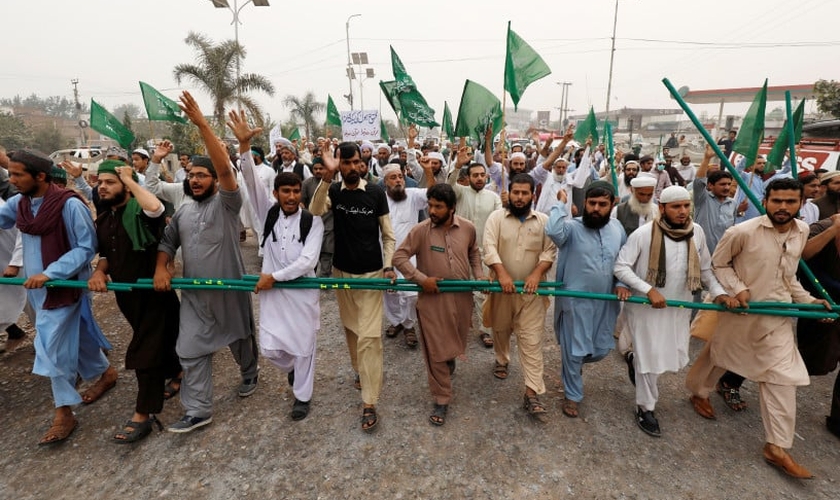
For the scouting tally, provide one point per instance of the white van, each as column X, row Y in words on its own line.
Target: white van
column 88, row 157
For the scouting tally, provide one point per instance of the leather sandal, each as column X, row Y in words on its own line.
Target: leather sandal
column 106, row 382
column 59, row 431
column 535, row 408
column 500, row 371
column 138, row 431
column 438, row 417
column 703, row 407
column 369, row 419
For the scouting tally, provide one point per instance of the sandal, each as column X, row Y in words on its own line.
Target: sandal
column 438, row 417
column 105, row 383
column 410, row 337
column 486, row 340
column 570, row 408
column 300, row 409
column 500, row 371
column 732, row 397
column 138, row 431
column 59, row 431
column 392, row 331
column 173, row 387
column 357, row 383
column 535, row 408
column 369, row 419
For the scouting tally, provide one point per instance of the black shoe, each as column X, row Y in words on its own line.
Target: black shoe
column 451, row 365
column 300, row 409
column 647, row 422
column 631, row 370
column 248, row 387
column 291, row 378
column 833, row 425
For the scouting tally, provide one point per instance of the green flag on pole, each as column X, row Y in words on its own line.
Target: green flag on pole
column 523, row 66
column 107, row 124
column 390, row 91
column 448, row 128
column 413, row 107
column 159, row 107
column 383, row 130
column 295, row 135
column 589, row 127
column 333, row 118
column 777, row 154
column 751, row 132
column 479, row 109
column 610, row 146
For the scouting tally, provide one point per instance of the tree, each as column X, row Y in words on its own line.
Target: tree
column 828, row 97
column 305, row 110
column 48, row 138
column 130, row 109
column 13, row 132
column 215, row 72
column 186, row 139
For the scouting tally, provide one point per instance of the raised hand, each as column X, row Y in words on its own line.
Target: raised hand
column 190, row 108
column 238, row 124
column 162, row 150
column 71, row 168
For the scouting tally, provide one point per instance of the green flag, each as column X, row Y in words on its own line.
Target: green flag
column 390, row 91
column 587, row 128
column 295, row 135
column 413, row 107
column 159, row 107
column 777, row 154
column 333, row 118
column 610, row 146
column 448, row 128
column 107, row 124
column 751, row 132
column 383, row 130
column 523, row 66
column 479, row 108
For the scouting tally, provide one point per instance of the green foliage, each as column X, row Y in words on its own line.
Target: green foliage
column 48, row 139
column 57, row 106
column 185, row 137
column 304, row 110
column 215, row 73
column 828, row 97
column 13, row 132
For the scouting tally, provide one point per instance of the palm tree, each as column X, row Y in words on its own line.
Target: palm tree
column 215, row 72
column 305, row 110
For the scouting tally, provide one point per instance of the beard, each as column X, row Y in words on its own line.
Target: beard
column 520, row 211
column 352, row 177
column 558, row 178
column 118, row 199
column 203, row 196
column 382, row 162
column 437, row 221
column 832, row 195
column 647, row 210
column 628, row 178
column 594, row 221
column 674, row 225
column 396, row 193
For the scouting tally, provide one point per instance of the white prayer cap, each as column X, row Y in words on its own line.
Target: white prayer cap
column 673, row 193
column 643, row 181
column 825, row 176
column 284, row 143
column 519, row 155
column 390, row 168
column 366, row 145
column 634, row 162
column 142, row 152
column 434, row 155
column 383, row 146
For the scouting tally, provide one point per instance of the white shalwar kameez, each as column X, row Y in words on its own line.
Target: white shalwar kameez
column 660, row 336
column 401, row 307
column 12, row 297
column 289, row 318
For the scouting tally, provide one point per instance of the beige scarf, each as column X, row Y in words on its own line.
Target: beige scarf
column 656, row 263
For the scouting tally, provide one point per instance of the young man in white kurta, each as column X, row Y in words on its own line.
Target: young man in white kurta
column 660, row 336
column 289, row 318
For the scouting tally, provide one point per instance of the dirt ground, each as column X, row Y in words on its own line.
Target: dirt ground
column 489, row 447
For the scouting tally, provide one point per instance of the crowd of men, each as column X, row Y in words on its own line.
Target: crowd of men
column 501, row 214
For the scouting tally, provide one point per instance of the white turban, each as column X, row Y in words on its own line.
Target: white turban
column 390, row 168
column 434, row 155
column 366, row 145
column 383, row 145
column 645, row 181
column 519, row 155
column 674, row 193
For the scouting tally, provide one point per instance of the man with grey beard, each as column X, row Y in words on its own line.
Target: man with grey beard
column 639, row 207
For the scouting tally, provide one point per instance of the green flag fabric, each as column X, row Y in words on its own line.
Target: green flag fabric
column 777, row 154
column 107, row 124
column 448, row 127
column 587, row 128
column 295, row 135
column 610, row 146
column 479, row 108
column 390, row 91
column 159, row 107
column 413, row 106
column 751, row 132
column 333, row 118
column 383, row 130
column 523, row 66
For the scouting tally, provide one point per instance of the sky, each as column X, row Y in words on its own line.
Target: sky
column 302, row 46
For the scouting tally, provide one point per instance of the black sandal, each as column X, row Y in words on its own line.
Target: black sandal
column 732, row 397
column 300, row 409
column 369, row 419
column 139, row 430
column 438, row 417
column 170, row 391
column 535, row 408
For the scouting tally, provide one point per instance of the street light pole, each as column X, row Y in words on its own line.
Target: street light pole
column 235, row 10
column 612, row 57
column 349, row 63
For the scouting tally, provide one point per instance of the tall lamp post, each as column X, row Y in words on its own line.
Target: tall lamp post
column 612, row 56
column 360, row 59
column 350, row 73
column 223, row 4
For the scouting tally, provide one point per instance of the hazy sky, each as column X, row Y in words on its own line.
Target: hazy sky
column 111, row 44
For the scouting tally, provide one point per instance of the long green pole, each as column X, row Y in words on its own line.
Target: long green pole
column 790, row 129
column 747, row 191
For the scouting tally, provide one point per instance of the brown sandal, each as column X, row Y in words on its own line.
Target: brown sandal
column 486, row 340
column 535, row 408
column 369, row 419
column 105, row 383
column 60, row 430
column 500, row 371
column 410, row 337
column 570, row 408
column 732, row 397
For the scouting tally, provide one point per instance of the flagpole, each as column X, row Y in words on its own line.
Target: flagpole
column 791, row 139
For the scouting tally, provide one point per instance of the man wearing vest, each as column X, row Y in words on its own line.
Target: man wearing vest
column 285, row 160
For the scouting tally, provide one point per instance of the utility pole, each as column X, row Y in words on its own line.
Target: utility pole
column 82, row 135
column 612, row 57
column 564, row 103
